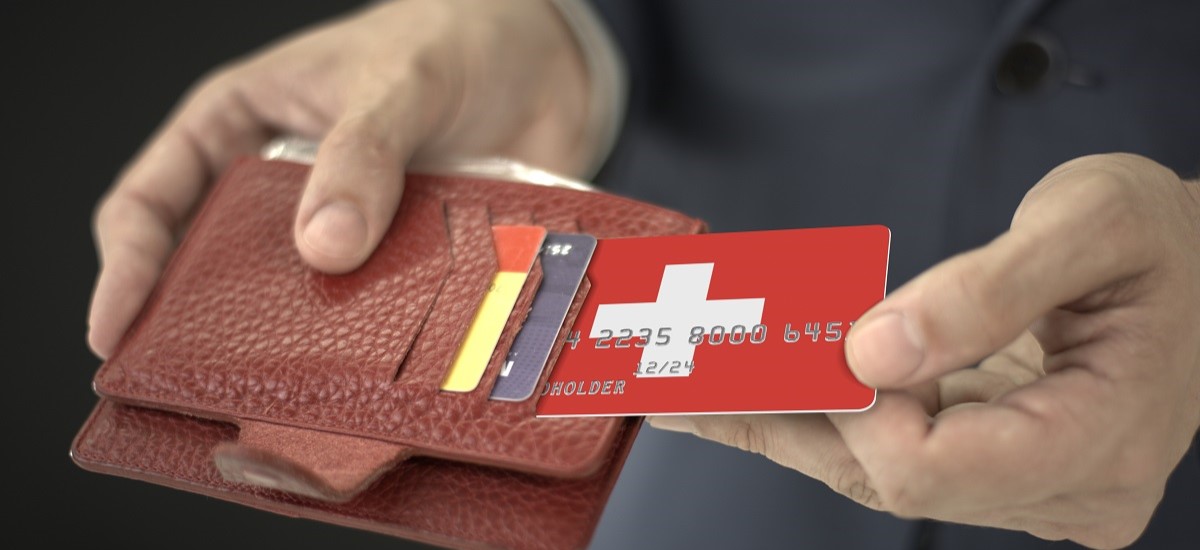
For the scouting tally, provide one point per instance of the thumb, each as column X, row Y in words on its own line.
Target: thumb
column 1072, row 239
column 357, row 180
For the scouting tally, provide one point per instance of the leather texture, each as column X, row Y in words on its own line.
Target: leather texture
column 516, row 319
column 312, row 463
column 441, row 502
column 464, row 290
column 334, row 380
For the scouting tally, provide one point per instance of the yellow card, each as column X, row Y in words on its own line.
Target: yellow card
column 516, row 248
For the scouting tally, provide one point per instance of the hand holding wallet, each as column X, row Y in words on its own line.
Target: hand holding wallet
column 251, row 377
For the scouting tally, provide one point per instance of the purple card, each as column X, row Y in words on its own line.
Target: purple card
column 565, row 258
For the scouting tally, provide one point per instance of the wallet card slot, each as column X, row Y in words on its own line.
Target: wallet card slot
column 516, row 319
column 557, row 222
column 475, row 265
column 502, row 215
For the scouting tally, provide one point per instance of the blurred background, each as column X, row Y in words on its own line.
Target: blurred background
column 86, row 83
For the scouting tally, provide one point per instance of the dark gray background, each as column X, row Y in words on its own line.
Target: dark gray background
column 85, row 84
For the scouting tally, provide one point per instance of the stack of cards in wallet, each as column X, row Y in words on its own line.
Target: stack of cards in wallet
column 749, row 322
column 564, row 259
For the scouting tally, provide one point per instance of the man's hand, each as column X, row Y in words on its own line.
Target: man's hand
column 1086, row 316
column 402, row 80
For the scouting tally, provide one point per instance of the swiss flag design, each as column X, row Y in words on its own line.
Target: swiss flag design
column 720, row 323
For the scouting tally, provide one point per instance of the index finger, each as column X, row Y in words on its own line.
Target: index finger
column 970, row 460
column 1078, row 233
column 137, row 222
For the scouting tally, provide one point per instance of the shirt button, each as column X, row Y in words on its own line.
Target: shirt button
column 1035, row 62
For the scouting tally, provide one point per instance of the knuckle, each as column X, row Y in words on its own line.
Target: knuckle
column 1110, row 201
column 351, row 133
column 424, row 62
column 911, row 489
column 129, row 224
column 1109, row 163
column 137, row 266
column 1132, row 235
column 217, row 82
column 901, row 498
column 433, row 73
column 1112, row 209
column 1108, row 194
column 104, row 214
column 120, row 207
column 1114, row 534
column 746, row 435
column 747, row 438
column 901, row 504
column 417, row 48
column 361, row 136
column 208, row 112
column 849, row 479
column 976, row 286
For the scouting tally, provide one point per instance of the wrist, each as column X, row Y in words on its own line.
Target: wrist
column 607, row 81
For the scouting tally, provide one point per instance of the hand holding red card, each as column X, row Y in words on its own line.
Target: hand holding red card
column 252, row 378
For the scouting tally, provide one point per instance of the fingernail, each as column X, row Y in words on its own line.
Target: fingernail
column 673, row 423
column 337, row 230
column 886, row 350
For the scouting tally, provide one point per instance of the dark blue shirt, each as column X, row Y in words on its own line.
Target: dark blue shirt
column 931, row 117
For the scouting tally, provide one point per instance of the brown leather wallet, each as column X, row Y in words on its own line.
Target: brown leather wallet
column 250, row 377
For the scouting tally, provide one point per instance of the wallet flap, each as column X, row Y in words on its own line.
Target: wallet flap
column 435, row 501
column 320, row 465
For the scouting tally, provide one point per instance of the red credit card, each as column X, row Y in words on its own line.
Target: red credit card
column 748, row 322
